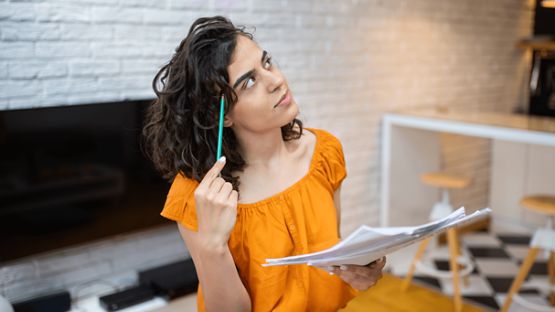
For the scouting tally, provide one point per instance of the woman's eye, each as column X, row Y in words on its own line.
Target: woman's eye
column 269, row 62
column 247, row 85
column 268, row 65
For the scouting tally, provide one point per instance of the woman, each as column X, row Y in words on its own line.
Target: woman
column 276, row 191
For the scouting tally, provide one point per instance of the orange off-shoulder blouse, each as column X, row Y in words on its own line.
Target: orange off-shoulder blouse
column 300, row 219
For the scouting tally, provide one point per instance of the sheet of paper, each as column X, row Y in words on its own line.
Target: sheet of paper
column 367, row 244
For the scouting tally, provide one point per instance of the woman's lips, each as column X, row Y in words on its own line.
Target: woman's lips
column 285, row 100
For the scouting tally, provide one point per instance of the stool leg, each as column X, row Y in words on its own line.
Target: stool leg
column 412, row 268
column 551, row 270
column 459, row 252
column 524, row 269
column 452, row 242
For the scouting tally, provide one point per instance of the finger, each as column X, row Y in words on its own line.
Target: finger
column 213, row 173
column 380, row 264
column 364, row 272
column 377, row 263
column 356, row 269
column 215, row 187
column 328, row 268
column 346, row 275
column 332, row 269
column 223, row 194
column 358, row 281
column 234, row 196
column 343, row 270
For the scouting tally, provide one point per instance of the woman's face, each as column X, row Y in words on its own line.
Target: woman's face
column 260, row 86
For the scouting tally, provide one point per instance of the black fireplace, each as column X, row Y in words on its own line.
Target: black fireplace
column 73, row 174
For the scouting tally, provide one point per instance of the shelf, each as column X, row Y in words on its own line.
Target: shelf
column 539, row 43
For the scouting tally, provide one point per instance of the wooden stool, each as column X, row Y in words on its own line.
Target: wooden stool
column 544, row 239
column 444, row 181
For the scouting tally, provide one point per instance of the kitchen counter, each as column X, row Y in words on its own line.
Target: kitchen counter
column 411, row 146
column 493, row 125
column 493, row 119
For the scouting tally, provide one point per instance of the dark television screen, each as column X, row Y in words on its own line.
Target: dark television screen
column 73, row 174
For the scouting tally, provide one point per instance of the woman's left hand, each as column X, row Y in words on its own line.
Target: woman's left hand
column 360, row 277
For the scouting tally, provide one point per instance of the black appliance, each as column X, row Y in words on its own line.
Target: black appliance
column 72, row 174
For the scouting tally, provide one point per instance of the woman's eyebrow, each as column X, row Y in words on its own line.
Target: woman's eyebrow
column 249, row 73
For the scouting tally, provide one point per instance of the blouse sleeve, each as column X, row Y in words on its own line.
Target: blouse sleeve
column 180, row 202
column 334, row 160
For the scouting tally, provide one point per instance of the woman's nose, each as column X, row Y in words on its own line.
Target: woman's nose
column 274, row 80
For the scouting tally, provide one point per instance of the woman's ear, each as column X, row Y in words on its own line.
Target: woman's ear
column 227, row 121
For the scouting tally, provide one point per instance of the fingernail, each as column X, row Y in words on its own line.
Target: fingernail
column 222, row 159
column 343, row 267
column 331, row 273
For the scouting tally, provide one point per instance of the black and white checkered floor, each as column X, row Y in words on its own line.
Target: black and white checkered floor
column 497, row 258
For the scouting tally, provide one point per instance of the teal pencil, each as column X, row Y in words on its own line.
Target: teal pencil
column 220, row 129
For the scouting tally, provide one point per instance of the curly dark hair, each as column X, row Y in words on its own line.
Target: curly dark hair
column 181, row 126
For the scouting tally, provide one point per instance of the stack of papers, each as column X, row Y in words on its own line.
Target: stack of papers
column 367, row 244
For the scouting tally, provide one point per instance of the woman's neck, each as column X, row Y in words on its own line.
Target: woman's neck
column 265, row 150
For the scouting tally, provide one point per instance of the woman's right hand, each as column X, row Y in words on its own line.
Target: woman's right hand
column 216, row 207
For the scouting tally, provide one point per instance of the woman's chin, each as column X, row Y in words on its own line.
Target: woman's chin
column 292, row 110
column 292, row 114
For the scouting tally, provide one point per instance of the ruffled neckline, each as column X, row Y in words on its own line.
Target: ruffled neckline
column 295, row 185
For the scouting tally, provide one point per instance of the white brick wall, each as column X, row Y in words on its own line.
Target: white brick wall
column 347, row 63
column 111, row 262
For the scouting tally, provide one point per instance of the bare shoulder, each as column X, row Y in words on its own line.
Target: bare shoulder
column 304, row 146
column 310, row 138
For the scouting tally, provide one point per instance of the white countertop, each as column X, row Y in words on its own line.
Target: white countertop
column 495, row 125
